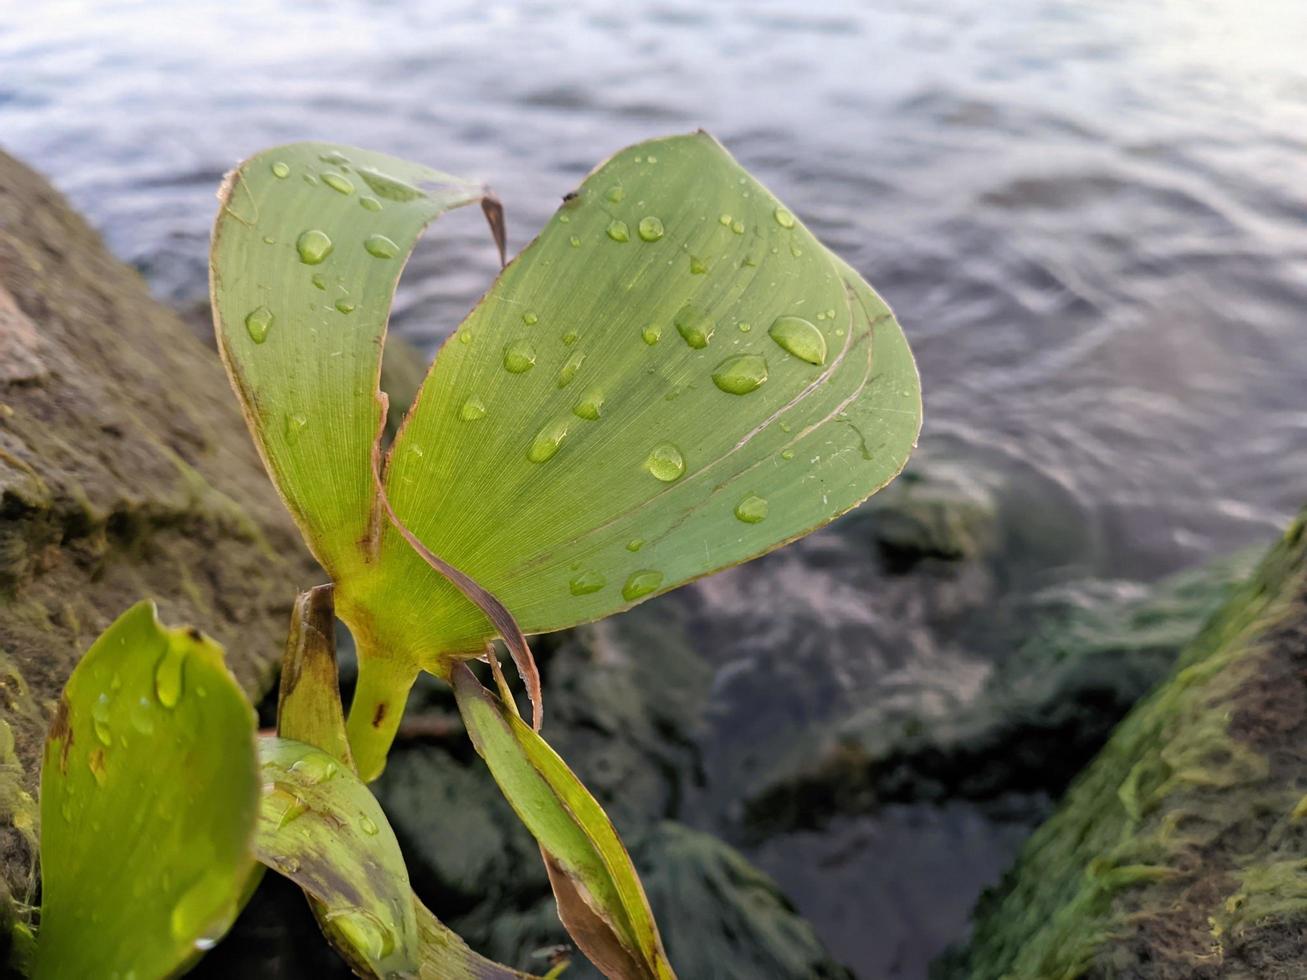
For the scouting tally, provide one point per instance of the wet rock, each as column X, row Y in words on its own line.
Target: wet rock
column 125, row 472
column 1179, row 851
column 1090, row 650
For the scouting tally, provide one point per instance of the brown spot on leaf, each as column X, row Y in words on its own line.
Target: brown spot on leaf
column 61, row 730
column 379, row 715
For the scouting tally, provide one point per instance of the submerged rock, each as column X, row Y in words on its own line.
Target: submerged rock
column 126, row 472
column 1179, row 851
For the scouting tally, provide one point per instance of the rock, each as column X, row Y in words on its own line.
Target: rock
column 1091, row 649
column 126, row 472
column 1179, row 851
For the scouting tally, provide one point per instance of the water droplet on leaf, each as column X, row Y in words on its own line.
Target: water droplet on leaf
column 665, row 462
column 313, row 246
column 618, row 231
column 472, row 409
column 783, row 218
column 547, row 442
column 391, row 188
column 697, row 266
column 280, row 170
column 381, row 247
column 568, row 371
column 168, row 681
column 369, row 203
column 799, row 337
column 651, row 334
column 336, row 182
column 344, row 306
column 587, row 583
column 519, row 357
column 740, row 374
column 641, row 583
column 530, row 318
column 651, row 228
column 752, row 509
column 590, row 406
column 695, row 326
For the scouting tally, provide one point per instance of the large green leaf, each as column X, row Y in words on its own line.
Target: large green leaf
column 149, row 791
column 600, row 898
column 621, row 415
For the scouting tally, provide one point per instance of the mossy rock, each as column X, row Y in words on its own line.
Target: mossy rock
column 1180, row 851
column 126, row 472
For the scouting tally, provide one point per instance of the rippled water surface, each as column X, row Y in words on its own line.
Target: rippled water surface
column 1090, row 217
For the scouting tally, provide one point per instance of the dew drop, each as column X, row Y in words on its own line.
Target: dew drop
column 319, row 280
column 576, row 242
column 799, row 337
column 142, row 716
column 368, row 826
column 783, row 218
column 737, row 226
column 697, row 266
column 369, row 203
column 168, row 683
column 96, row 763
column 787, row 454
column 651, row 228
column 342, row 185
column 641, row 583
column 695, row 326
column 334, row 157
column 587, row 583
column 391, row 188
column 281, row 170
column 568, row 371
column 311, row 180
column 295, row 424
column 740, row 374
column 752, row 509
column 381, row 247
column 257, row 324
column 530, row 318
column 547, row 442
column 519, row 357
column 203, row 912
column 315, row 768
column 344, row 306
column 615, row 194
column 651, row 334
column 618, row 231
column 724, row 220
column 570, row 338
column 364, row 931
column 282, row 805
column 100, row 718
column 591, row 405
column 745, row 327
column 472, row 409
column 313, row 246
column 665, row 462
column 635, row 544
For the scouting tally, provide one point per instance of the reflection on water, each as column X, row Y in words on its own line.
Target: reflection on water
column 1091, row 218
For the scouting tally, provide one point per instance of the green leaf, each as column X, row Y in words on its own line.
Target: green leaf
column 600, row 898
column 572, row 467
column 309, row 711
column 322, row 828
column 307, row 249
column 149, row 792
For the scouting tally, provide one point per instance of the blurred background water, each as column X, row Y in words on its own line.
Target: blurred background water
column 1091, row 219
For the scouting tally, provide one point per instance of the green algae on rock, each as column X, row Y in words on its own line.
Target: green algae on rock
column 1179, row 851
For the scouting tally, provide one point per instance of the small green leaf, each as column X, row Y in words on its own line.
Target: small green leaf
column 600, row 898
column 308, row 701
column 322, row 828
column 149, row 792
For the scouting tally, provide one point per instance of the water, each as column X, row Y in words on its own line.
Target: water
column 1091, row 218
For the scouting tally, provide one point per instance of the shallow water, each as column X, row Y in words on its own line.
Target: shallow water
column 1091, row 219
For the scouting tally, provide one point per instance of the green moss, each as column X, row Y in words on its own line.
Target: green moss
column 1176, row 852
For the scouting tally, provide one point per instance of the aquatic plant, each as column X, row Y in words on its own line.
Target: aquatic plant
column 673, row 378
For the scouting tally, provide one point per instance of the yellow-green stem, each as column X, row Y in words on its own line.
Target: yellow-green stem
column 376, row 710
